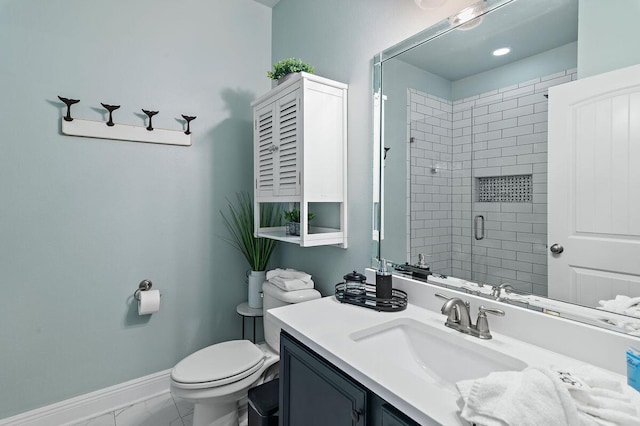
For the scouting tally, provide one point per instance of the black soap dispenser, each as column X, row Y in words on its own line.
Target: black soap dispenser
column 383, row 281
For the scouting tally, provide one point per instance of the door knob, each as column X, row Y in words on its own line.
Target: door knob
column 355, row 415
column 556, row 249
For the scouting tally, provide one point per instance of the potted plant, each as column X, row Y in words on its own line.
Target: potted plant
column 257, row 251
column 283, row 68
column 293, row 221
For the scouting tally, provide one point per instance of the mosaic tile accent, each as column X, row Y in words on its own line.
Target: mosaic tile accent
column 505, row 189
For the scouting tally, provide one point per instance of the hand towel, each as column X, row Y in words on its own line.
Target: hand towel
column 622, row 304
column 602, row 397
column 534, row 396
column 290, row 279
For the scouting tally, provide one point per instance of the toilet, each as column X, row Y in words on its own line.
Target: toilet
column 215, row 378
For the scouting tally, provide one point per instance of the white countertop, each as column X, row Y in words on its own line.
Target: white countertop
column 325, row 326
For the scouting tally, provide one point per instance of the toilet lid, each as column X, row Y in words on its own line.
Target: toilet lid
column 217, row 362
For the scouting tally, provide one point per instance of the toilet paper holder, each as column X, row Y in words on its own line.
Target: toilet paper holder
column 143, row 286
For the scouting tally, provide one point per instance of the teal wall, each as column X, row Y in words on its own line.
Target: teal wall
column 545, row 63
column 608, row 34
column 83, row 221
column 340, row 39
column 397, row 77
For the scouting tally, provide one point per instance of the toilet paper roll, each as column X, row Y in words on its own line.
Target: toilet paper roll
column 149, row 302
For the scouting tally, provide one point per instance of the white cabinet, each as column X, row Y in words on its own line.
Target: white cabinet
column 300, row 157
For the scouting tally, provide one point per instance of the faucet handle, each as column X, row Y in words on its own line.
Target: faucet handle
column 496, row 291
column 482, row 310
column 482, row 324
column 442, row 296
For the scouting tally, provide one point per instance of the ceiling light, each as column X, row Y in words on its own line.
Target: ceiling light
column 429, row 4
column 464, row 19
column 501, row 51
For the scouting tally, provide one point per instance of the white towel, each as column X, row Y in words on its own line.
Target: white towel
column 622, row 304
column 602, row 398
column 290, row 279
column 531, row 397
column 540, row 396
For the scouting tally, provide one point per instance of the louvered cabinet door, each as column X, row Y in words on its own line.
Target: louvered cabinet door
column 265, row 150
column 288, row 141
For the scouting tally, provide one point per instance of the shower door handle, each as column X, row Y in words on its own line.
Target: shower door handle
column 476, row 228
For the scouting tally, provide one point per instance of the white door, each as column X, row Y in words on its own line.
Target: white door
column 594, row 187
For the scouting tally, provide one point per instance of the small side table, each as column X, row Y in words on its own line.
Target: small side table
column 245, row 311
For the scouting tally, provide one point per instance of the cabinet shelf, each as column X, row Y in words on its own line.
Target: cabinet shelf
column 317, row 236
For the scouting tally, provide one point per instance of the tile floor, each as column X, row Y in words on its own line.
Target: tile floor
column 162, row 410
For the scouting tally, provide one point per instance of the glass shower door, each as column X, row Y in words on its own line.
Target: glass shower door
column 508, row 192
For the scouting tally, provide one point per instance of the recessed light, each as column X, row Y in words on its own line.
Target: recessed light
column 501, row 51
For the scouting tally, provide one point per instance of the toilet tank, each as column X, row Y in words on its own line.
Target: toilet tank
column 273, row 297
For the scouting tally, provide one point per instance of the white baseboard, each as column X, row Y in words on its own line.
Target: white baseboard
column 94, row 403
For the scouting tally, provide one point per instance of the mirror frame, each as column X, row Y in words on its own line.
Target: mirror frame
column 564, row 309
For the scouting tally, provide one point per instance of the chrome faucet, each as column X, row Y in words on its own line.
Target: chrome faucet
column 496, row 291
column 458, row 318
column 457, row 312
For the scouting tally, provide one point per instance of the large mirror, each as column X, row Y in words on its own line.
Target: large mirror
column 461, row 137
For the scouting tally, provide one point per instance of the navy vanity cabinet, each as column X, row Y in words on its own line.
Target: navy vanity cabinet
column 313, row 392
column 393, row 417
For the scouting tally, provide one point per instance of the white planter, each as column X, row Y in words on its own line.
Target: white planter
column 276, row 83
column 255, row 280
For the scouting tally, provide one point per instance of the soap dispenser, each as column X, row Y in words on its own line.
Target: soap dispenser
column 383, row 281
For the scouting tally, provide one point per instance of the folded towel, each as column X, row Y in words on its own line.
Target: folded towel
column 531, row 397
column 622, row 305
column 288, row 274
column 601, row 397
column 540, row 396
column 290, row 279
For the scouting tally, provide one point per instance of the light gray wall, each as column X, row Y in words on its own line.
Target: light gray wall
column 340, row 39
column 608, row 33
column 397, row 77
column 545, row 63
column 83, row 221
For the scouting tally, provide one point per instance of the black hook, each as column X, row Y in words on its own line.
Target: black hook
column 189, row 119
column 68, row 102
column 110, row 108
column 386, row 149
column 150, row 114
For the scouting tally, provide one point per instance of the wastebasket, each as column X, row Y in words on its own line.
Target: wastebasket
column 264, row 404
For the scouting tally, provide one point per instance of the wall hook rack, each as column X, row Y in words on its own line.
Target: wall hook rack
column 189, row 119
column 68, row 102
column 110, row 108
column 124, row 132
column 150, row 114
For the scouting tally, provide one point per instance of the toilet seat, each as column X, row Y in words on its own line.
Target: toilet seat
column 218, row 365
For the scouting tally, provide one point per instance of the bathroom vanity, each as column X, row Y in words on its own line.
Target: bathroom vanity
column 344, row 364
column 316, row 392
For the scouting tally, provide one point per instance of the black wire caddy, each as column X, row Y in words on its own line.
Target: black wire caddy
column 365, row 295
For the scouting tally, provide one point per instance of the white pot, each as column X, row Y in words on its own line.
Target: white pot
column 255, row 280
column 276, row 83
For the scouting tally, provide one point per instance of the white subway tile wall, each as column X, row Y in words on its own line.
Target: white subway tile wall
column 498, row 133
column 429, row 173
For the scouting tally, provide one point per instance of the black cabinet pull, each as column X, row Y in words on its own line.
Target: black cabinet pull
column 355, row 415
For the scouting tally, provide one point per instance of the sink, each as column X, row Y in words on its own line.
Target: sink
column 438, row 355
